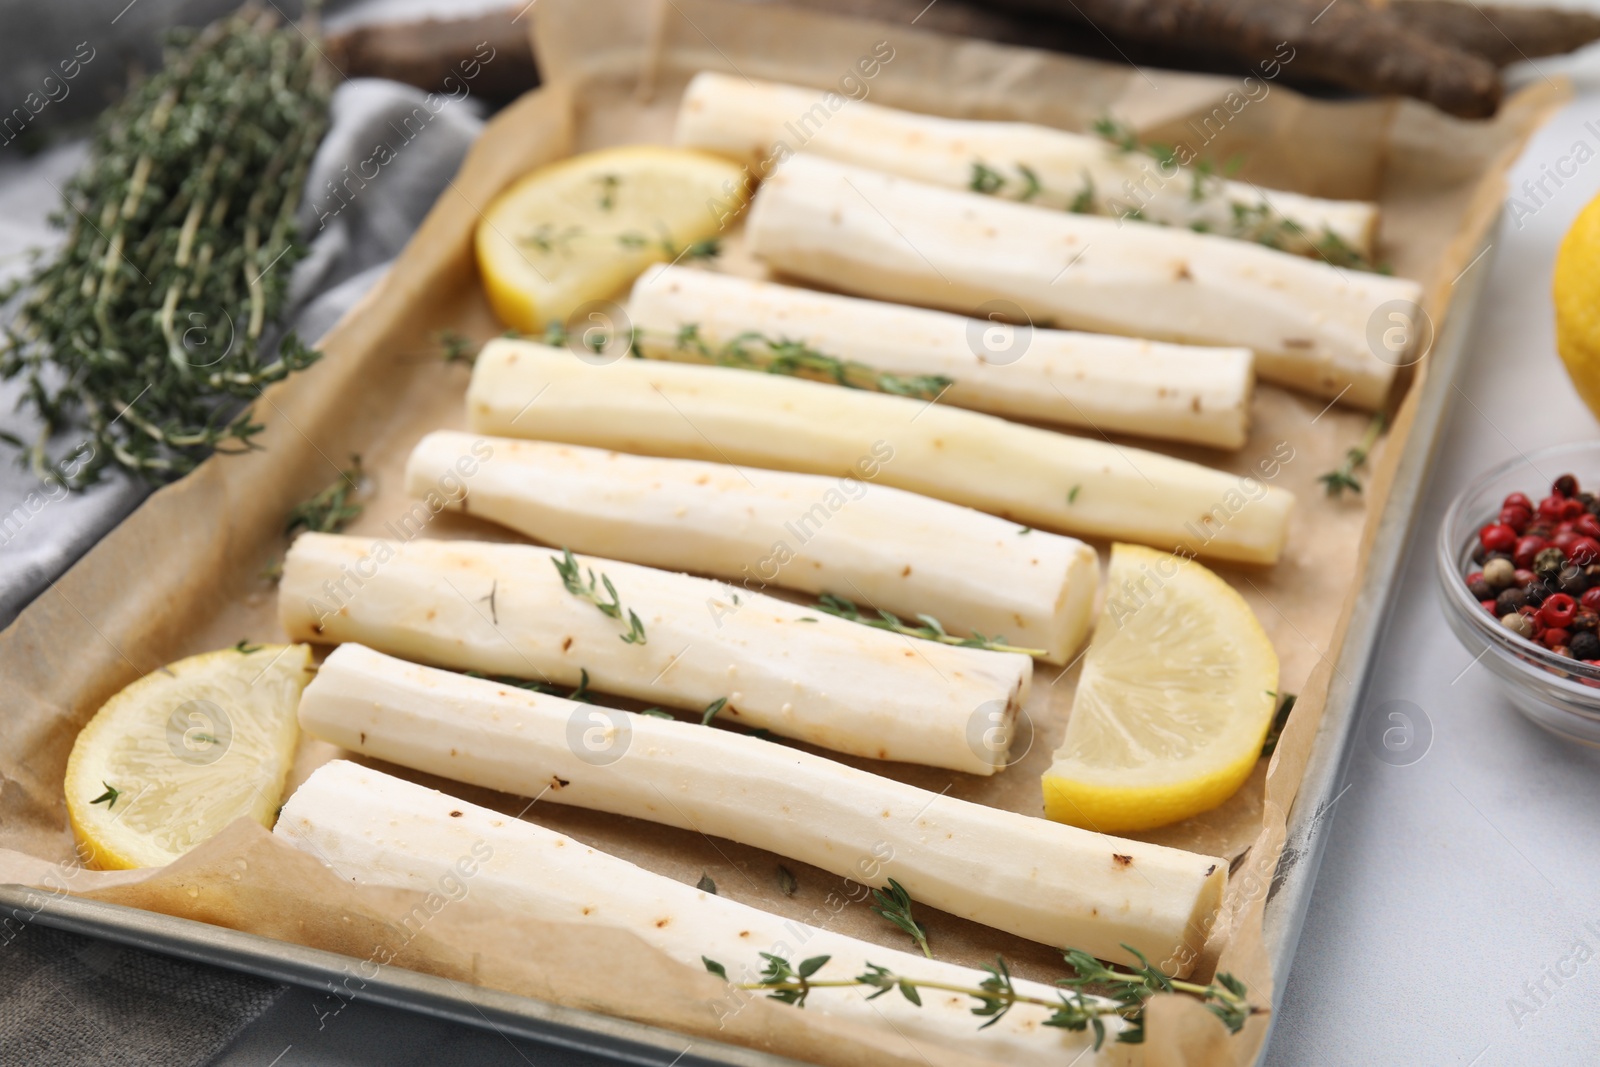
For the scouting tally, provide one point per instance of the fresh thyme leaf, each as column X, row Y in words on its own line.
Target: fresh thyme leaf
column 245, row 647
column 148, row 333
column 109, row 797
column 1031, row 186
column 706, row 885
column 580, row 694
column 458, row 347
column 1025, row 530
column 1083, row 202
column 330, row 510
column 714, row 967
column 1336, row 481
column 608, row 190
column 985, row 179
column 894, row 904
column 788, row 885
column 657, row 713
column 930, row 630
column 572, row 579
column 712, row 709
column 806, row 618
column 753, row 350
column 1072, row 494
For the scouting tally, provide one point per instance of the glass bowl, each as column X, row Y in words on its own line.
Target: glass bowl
column 1560, row 694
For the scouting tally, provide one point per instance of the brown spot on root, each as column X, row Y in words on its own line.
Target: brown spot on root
column 907, row 572
column 452, row 752
column 661, row 923
column 557, row 783
column 1195, row 405
column 432, row 614
column 566, row 644
column 316, row 628
column 363, row 737
column 1211, row 870
column 587, row 909
column 1298, row 342
column 455, row 814
column 1182, row 273
column 883, row 753
column 1121, row 860
column 744, row 933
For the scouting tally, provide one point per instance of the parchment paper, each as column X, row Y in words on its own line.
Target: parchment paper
column 184, row 573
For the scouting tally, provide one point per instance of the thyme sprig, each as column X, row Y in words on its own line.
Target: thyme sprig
column 930, row 630
column 894, row 904
column 1343, row 477
column 571, row 577
column 1125, row 992
column 332, row 508
column 754, row 350
column 109, row 797
column 580, row 694
column 1247, row 222
column 149, row 331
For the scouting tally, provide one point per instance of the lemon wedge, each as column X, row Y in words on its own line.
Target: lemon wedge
column 1177, row 692
column 1576, row 286
column 584, row 228
column 184, row 751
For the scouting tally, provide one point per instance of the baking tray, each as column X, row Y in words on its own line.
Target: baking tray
column 623, row 1041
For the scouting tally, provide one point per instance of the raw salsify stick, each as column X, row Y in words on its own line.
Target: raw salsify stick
column 747, row 121
column 375, row 829
column 1312, row 326
column 871, row 544
column 1090, row 381
column 800, row 673
column 1042, row 880
column 1034, row 477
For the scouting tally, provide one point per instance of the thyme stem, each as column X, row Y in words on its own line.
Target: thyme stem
column 930, row 630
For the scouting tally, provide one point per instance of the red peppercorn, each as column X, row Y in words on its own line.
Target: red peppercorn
column 1588, row 526
column 1591, row 599
column 1558, row 610
column 1517, row 500
column 1526, row 550
column 1566, row 486
column 1516, row 518
column 1498, row 537
column 1522, row 576
column 1572, row 509
column 1488, row 605
column 1550, row 509
column 1584, row 551
column 1564, row 539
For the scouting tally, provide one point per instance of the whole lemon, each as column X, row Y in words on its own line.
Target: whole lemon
column 1577, row 300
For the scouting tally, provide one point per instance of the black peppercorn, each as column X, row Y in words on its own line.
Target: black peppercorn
column 1510, row 601
column 1584, row 621
column 1584, row 645
column 1535, row 593
column 1572, row 581
column 1480, row 590
column 1549, row 561
column 1566, row 485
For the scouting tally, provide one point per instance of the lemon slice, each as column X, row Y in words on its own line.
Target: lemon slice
column 583, row 228
column 1177, row 692
column 184, row 751
column 1576, row 285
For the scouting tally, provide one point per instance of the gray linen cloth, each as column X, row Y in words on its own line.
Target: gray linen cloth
column 70, row 1000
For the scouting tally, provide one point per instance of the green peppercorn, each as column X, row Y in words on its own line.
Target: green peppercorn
column 1549, row 561
column 1498, row 574
column 1517, row 623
